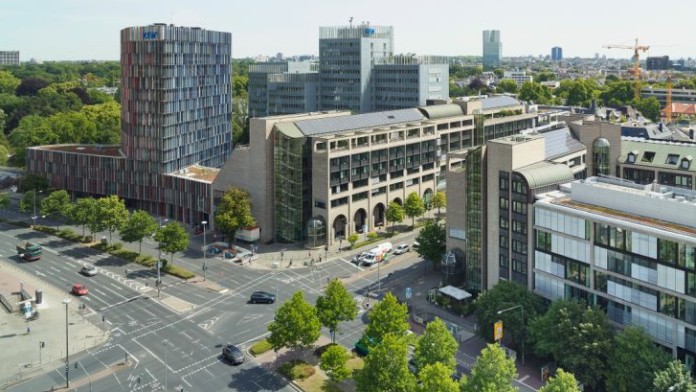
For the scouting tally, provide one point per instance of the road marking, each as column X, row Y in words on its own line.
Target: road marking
column 351, row 263
column 523, row 379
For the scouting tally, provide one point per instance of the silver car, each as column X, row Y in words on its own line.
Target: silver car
column 403, row 248
column 88, row 270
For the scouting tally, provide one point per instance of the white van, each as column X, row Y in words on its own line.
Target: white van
column 373, row 256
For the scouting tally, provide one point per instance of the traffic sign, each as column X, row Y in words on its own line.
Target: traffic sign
column 498, row 331
column 408, row 293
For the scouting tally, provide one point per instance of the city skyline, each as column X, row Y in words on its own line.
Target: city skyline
column 82, row 30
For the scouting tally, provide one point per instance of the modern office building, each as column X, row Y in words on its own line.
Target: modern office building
column 520, row 77
column 346, row 58
column 319, row 177
column 556, row 53
column 492, row 49
column 628, row 248
column 357, row 71
column 283, row 88
column 680, row 95
column 661, row 63
column 9, row 57
column 176, row 109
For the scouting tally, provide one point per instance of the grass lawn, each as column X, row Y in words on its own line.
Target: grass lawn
column 319, row 382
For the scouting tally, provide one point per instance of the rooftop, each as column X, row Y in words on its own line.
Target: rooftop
column 321, row 126
column 196, row 172
column 86, row 149
column 658, row 153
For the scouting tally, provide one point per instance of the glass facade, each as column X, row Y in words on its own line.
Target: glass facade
column 474, row 219
column 290, row 189
column 600, row 156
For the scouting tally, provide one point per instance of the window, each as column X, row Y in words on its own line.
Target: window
column 504, row 203
column 519, row 187
column 504, row 223
column 504, row 261
column 631, row 158
column 648, row 156
column 543, row 241
column 504, row 241
column 519, row 247
column 685, row 163
column 519, row 227
column 504, row 179
column 672, row 159
column 519, row 207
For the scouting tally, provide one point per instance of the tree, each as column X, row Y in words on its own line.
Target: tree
column 578, row 337
column 3, row 152
column 84, row 212
column 33, row 182
column 113, row 213
column 618, row 93
column 386, row 367
column 387, row 317
column 675, row 378
column 335, row 306
column 106, row 118
column 57, row 203
column 139, row 225
column 648, row 107
column 295, row 325
column 431, row 240
column 352, row 239
column 507, row 86
column 395, row 213
column 562, row 382
column 30, row 86
column 532, row 91
column 493, row 371
column 499, row 73
column 633, row 360
column 333, row 362
column 30, row 199
column 502, row 296
column 4, row 200
column 437, row 345
column 414, row 207
column 234, row 212
column 8, row 83
column 436, row 378
column 172, row 238
column 439, row 201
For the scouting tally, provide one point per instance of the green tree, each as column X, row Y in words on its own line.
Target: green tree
column 29, row 201
column 33, row 182
column 633, row 360
column 562, row 382
column 32, row 130
column 139, row 225
column 578, row 337
column 387, row 317
column 4, row 200
column 352, row 239
column 505, row 295
column 499, row 73
column 580, row 93
column 3, row 154
column 56, row 204
column 395, row 213
column 172, row 238
column 493, row 371
column 648, row 107
column 84, row 212
column 386, row 367
column 507, row 86
column 437, row 345
column 439, row 201
column 113, row 212
column 106, row 119
column 675, row 378
column 431, row 240
column 234, row 212
column 335, row 306
column 295, row 325
column 532, row 91
column 414, row 207
column 8, row 82
column 436, row 377
column 618, row 93
column 333, row 362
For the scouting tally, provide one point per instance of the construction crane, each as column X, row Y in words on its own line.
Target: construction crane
column 636, row 67
column 668, row 101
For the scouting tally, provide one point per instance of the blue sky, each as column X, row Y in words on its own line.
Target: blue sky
column 89, row 29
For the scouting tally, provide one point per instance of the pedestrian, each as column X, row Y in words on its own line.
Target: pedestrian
column 28, row 329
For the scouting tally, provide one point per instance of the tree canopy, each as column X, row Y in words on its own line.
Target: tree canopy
column 139, row 225
column 234, row 212
column 388, row 316
column 295, row 325
column 335, row 306
column 113, row 213
column 414, row 206
column 633, row 360
column 436, row 377
column 172, row 238
column 333, row 362
column 56, row 204
column 561, row 382
column 493, row 371
column 386, row 367
column 436, row 345
column 439, row 201
column 674, row 378
column 395, row 213
column 431, row 240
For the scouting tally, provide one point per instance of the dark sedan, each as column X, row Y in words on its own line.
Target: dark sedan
column 232, row 354
column 262, row 297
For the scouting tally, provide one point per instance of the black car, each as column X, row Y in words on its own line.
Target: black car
column 262, row 297
column 233, row 354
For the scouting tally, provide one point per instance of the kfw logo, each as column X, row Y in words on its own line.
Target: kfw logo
column 149, row 35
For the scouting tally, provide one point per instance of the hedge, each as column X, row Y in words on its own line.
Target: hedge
column 297, row 369
column 260, row 347
column 178, row 271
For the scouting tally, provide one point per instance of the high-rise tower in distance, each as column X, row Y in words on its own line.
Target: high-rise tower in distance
column 492, row 49
column 556, row 53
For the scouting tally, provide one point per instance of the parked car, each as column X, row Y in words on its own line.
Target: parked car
column 357, row 259
column 262, row 297
column 403, row 248
column 415, row 245
column 88, row 270
column 79, row 289
column 232, row 354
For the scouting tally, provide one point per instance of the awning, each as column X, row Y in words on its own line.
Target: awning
column 455, row 293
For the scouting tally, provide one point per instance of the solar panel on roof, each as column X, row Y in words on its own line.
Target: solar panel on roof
column 367, row 120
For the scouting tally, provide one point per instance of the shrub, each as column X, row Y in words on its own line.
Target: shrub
column 260, row 347
column 117, row 246
column 178, row 271
column 297, row 369
column 372, row 235
column 146, row 260
column 322, row 349
column 88, row 239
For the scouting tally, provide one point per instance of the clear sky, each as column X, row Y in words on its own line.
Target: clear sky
column 89, row 29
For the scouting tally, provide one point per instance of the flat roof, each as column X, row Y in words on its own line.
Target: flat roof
column 86, row 149
column 197, row 172
column 323, row 126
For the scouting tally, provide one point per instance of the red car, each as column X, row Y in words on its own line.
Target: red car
column 79, row 289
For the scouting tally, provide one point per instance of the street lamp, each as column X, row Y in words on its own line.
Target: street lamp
column 204, row 244
column 34, row 217
column 67, row 346
column 521, row 309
